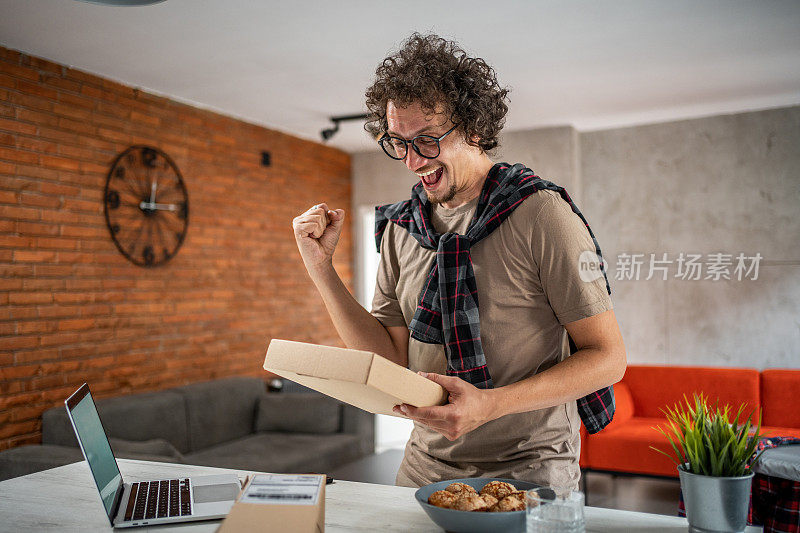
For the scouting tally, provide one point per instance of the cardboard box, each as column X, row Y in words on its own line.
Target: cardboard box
column 273, row 503
column 363, row 379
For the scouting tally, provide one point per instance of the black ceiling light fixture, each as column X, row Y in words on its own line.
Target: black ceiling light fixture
column 330, row 132
column 123, row 2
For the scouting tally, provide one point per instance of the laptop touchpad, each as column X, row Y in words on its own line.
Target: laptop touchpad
column 215, row 493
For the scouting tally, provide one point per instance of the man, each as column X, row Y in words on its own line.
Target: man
column 498, row 248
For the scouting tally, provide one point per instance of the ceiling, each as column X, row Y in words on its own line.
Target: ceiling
column 290, row 65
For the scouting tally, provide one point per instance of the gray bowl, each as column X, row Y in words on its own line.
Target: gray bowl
column 471, row 522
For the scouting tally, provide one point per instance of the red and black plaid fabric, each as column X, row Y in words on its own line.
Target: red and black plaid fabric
column 774, row 501
column 447, row 309
column 776, row 504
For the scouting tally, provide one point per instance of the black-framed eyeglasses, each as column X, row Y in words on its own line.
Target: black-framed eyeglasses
column 426, row 146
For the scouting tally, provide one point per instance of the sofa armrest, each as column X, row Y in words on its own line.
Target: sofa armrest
column 25, row 460
column 623, row 399
column 358, row 422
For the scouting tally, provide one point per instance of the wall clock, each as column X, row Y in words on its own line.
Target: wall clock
column 146, row 206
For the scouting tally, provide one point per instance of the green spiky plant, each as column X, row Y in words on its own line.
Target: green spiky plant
column 707, row 441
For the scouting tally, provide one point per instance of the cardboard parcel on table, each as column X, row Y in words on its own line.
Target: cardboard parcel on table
column 363, row 379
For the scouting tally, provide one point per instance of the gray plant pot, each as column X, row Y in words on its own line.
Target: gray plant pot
column 715, row 504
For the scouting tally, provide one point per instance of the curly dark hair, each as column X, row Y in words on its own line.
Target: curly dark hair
column 431, row 70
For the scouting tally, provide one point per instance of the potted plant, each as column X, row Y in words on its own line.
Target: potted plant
column 713, row 453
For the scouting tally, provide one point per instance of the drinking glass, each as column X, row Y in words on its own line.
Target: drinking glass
column 551, row 510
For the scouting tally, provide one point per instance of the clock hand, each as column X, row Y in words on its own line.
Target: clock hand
column 160, row 207
column 153, row 186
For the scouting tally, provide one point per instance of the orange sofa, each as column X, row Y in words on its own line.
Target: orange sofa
column 624, row 445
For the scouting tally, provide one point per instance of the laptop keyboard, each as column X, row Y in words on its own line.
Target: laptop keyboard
column 159, row 499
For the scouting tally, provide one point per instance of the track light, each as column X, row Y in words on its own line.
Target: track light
column 330, row 132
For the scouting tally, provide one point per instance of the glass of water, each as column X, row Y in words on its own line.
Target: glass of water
column 554, row 511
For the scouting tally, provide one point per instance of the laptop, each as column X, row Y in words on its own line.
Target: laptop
column 144, row 503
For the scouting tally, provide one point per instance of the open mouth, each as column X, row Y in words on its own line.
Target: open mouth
column 430, row 180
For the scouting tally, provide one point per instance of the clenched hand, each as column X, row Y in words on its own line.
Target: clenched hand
column 317, row 232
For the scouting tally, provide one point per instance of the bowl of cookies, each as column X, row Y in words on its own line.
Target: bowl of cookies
column 473, row 505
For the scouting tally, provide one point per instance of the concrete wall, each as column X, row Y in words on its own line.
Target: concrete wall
column 724, row 184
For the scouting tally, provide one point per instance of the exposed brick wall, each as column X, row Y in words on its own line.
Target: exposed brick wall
column 73, row 309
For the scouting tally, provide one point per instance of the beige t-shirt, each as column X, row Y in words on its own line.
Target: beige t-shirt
column 528, row 287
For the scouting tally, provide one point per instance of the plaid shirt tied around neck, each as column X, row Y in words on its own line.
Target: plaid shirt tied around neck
column 447, row 308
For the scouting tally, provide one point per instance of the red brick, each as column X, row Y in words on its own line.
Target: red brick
column 15, row 241
column 58, row 189
column 36, row 89
column 26, row 413
column 61, row 83
column 69, row 110
column 53, row 270
column 8, row 197
column 41, row 284
column 27, row 298
column 7, row 81
column 61, row 163
column 58, row 135
column 44, row 65
column 76, row 152
column 33, row 228
column 34, row 256
column 19, row 428
column 19, row 213
column 37, row 200
column 83, row 231
column 10, row 284
column 75, row 100
column 79, row 125
column 109, row 134
column 18, row 342
column 7, row 168
column 30, row 101
column 19, row 156
column 58, row 339
column 18, row 71
column 36, row 145
column 28, row 327
column 59, row 243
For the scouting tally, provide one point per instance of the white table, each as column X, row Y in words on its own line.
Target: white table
column 65, row 499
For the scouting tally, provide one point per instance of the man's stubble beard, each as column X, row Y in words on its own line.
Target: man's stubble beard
column 449, row 195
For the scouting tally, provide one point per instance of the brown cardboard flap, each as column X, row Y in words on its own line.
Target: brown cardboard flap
column 318, row 361
column 363, row 379
column 404, row 385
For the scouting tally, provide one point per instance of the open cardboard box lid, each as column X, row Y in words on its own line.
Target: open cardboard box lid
column 363, row 379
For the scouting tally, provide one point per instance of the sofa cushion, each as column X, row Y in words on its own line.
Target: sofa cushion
column 281, row 452
column 656, row 387
column 154, row 449
column 778, row 431
column 299, row 413
column 626, row 448
column 779, row 397
column 135, row 417
column 221, row 410
column 25, row 460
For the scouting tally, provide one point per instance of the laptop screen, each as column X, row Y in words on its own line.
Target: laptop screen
column 95, row 446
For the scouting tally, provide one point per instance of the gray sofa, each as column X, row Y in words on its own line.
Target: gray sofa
column 231, row 422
